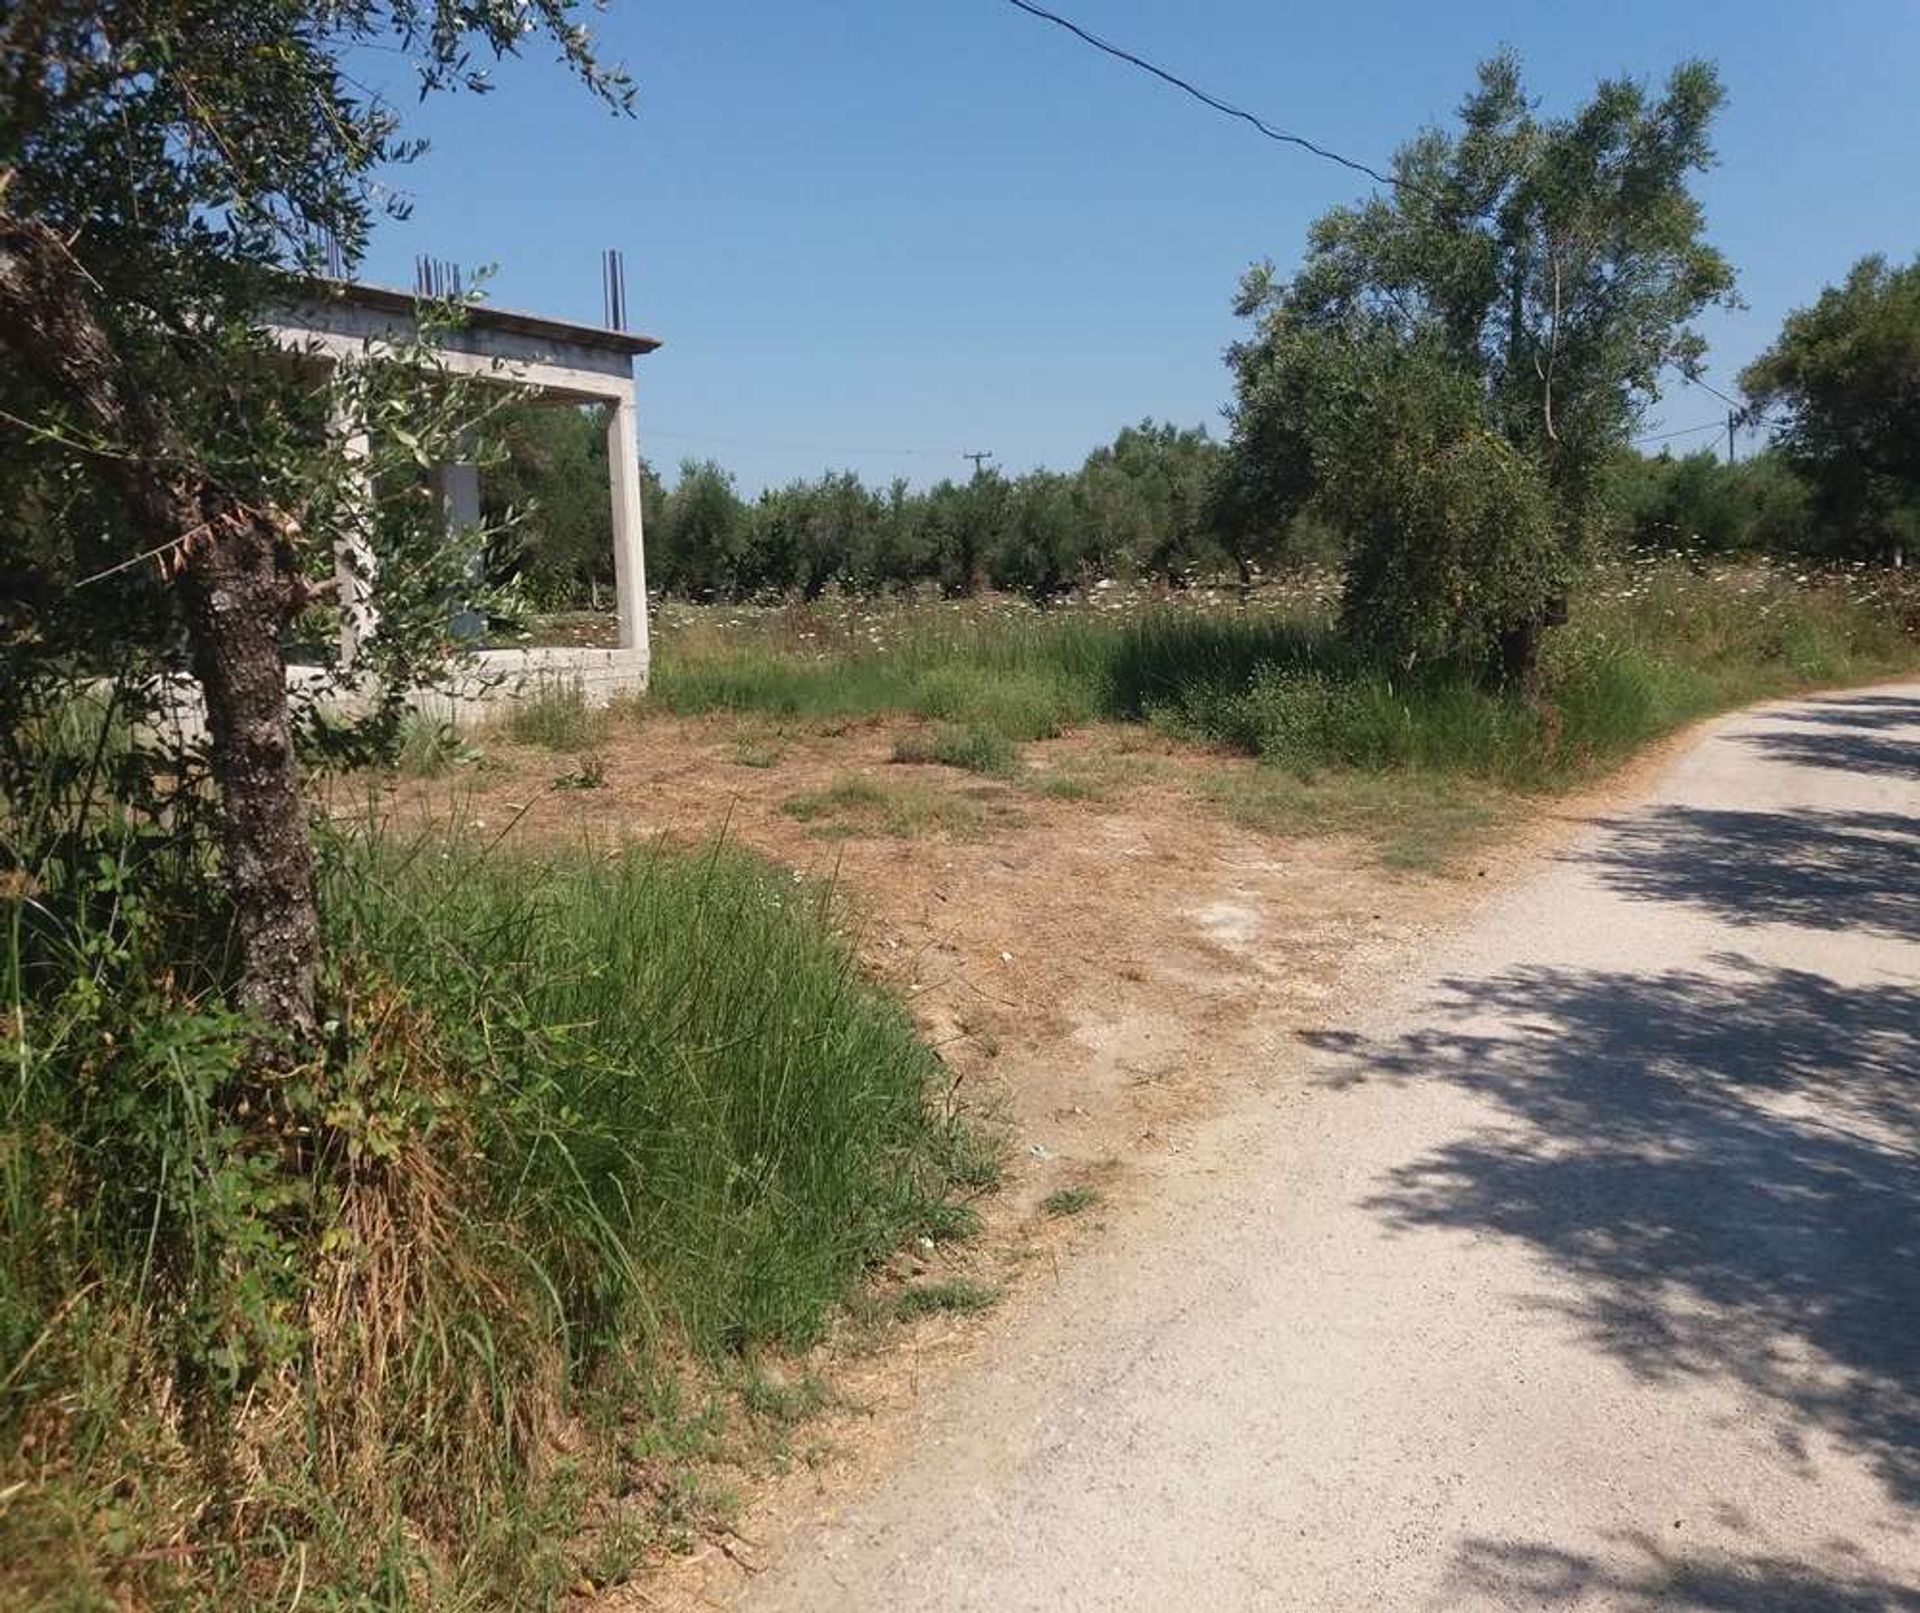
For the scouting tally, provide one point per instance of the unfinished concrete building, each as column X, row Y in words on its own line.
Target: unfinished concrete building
column 554, row 360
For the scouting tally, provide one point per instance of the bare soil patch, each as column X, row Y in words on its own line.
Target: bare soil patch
column 1101, row 957
column 1080, row 943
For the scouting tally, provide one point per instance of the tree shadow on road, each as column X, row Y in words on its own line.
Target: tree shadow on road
column 1655, row 1577
column 1856, row 735
column 1822, row 870
column 1726, row 1163
column 1858, row 711
column 1718, row 1167
column 1842, row 753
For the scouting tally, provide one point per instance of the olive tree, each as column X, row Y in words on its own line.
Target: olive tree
column 165, row 165
column 1526, row 279
column 1147, row 500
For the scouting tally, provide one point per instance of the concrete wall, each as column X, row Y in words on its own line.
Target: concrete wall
column 477, row 693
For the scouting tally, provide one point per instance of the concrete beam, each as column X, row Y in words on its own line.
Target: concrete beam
column 580, row 375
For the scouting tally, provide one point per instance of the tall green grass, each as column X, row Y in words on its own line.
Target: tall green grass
column 1021, row 673
column 374, row 1332
column 682, row 1059
column 556, row 716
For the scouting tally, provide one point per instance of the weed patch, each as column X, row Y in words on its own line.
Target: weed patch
column 1065, row 787
column 971, row 1157
column 431, row 749
column 591, row 774
column 1067, row 1201
column 949, row 1223
column 778, row 1396
column 759, row 752
column 556, row 717
column 970, row 748
column 960, row 1296
column 908, row 810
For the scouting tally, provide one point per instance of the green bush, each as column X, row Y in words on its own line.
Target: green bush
column 1699, row 503
column 1453, row 545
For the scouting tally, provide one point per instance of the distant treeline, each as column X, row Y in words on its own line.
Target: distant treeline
column 1759, row 505
column 1143, row 506
column 1151, row 505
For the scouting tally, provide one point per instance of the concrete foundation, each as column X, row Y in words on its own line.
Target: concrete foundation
column 498, row 677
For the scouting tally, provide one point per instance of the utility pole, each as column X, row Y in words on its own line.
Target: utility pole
column 979, row 458
column 1735, row 411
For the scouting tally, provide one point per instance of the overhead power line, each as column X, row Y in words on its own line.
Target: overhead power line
column 810, row 447
column 1201, row 95
column 1750, row 416
column 1206, row 98
column 1708, row 386
column 1684, row 431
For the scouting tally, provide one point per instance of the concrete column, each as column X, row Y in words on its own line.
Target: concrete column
column 354, row 566
column 629, row 551
column 458, row 487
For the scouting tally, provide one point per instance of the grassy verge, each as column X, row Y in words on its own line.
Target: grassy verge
column 746, row 1117
column 1421, row 762
column 391, row 1330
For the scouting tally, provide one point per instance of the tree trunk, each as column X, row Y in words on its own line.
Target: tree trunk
column 1518, row 656
column 236, row 590
column 240, row 585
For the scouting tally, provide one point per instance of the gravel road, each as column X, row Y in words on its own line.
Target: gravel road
column 1582, row 1271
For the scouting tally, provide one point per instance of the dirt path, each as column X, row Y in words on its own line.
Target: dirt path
column 1581, row 1269
column 1103, row 959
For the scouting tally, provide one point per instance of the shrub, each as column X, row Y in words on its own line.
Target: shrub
column 1451, row 550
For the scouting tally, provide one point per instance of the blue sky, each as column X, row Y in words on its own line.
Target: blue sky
column 876, row 233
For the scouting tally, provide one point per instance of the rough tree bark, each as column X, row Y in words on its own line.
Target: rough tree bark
column 239, row 590
column 239, row 582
